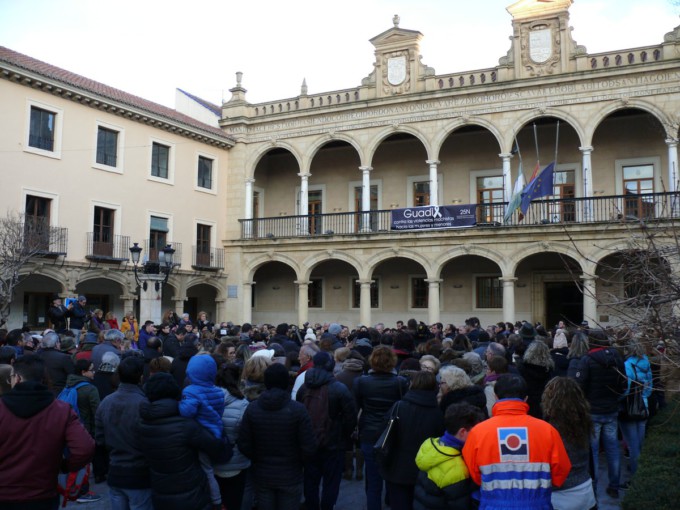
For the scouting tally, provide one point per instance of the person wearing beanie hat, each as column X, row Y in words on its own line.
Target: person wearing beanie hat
column 310, row 335
column 333, row 414
column 334, row 329
column 527, row 332
column 164, row 434
column 79, row 316
column 277, row 454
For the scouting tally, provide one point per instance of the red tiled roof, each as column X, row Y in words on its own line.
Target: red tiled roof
column 68, row 78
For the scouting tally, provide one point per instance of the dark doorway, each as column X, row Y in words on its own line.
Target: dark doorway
column 564, row 302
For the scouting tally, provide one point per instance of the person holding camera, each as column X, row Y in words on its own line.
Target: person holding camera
column 79, row 317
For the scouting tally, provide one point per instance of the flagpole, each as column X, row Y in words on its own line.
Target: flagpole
column 557, row 139
column 538, row 160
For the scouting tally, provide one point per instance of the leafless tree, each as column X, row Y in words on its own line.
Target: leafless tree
column 22, row 239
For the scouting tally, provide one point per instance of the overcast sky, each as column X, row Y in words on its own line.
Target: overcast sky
column 151, row 47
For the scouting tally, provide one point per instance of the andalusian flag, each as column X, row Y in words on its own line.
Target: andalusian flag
column 516, row 198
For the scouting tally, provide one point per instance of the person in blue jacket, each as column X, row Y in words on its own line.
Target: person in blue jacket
column 204, row 402
column 639, row 374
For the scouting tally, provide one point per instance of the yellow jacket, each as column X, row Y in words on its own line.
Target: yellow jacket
column 444, row 465
column 125, row 327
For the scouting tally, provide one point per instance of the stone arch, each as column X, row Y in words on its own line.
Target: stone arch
column 122, row 279
column 384, row 255
column 204, row 280
column 542, row 247
column 461, row 251
column 254, row 264
column 664, row 119
column 262, row 151
column 523, row 120
column 383, row 134
column 449, row 129
column 51, row 272
column 317, row 145
column 314, row 260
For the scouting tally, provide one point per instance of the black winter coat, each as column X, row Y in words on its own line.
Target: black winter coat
column 536, row 377
column 602, row 377
column 473, row 395
column 419, row 418
column 374, row 394
column 59, row 366
column 171, row 445
column 178, row 369
column 341, row 408
column 276, row 435
column 559, row 356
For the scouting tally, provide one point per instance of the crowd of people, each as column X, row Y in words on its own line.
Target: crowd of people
column 204, row 415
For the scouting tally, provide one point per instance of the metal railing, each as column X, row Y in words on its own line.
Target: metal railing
column 565, row 211
column 55, row 242
column 110, row 248
column 207, row 259
column 151, row 254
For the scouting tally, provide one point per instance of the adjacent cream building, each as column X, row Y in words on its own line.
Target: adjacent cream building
column 314, row 201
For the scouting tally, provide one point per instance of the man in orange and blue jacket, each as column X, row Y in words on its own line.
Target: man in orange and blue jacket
column 515, row 458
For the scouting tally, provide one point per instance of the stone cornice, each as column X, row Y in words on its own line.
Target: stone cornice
column 73, row 93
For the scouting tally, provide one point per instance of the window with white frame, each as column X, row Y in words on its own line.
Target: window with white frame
column 44, row 130
column 107, row 147
column 205, row 173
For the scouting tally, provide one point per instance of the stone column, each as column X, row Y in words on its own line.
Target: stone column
column 433, row 307
column 128, row 303
column 365, row 302
column 247, row 302
column 303, row 301
column 587, row 182
column 365, row 197
column 303, row 224
column 248, row 213
column 507, row 176
column 434, row 183
column 220, row 309
column 150, row 300
column 508, row 298
column 589, row 299
column 672, row 164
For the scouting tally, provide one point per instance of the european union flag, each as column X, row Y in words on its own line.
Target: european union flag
column 541, row 186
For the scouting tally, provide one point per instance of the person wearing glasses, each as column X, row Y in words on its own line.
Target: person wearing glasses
column 36, row 428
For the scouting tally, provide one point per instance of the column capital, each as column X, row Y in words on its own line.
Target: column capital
column 248, row 284
column 432, row 162
column 365, row 168
column 587, row 149
column 301, row 282
column 365, row 282
column 304, row 176
column 508, row 279
column 672, row 142
column 249, row 180
column 506, row 155
column 434, row 281
column 586, row 278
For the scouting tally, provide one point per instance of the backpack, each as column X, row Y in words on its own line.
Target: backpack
column 71, row 484
column 70, row 396
column 316, row 402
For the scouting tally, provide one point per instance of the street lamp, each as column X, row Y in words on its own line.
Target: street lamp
column 164, row 265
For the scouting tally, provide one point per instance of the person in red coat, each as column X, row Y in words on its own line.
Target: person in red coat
column 36, row 427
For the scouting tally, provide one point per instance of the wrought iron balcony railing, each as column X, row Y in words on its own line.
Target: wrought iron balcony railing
column 107, row 248
column 43, row 240
column 565, row 211
column 207, row 259
column 151, row 252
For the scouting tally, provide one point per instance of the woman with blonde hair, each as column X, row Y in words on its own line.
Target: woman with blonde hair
column 537, row 368
column 252, row 376
column 565, row 407
column 130, row 324
column 577, row 349
column 455, row 386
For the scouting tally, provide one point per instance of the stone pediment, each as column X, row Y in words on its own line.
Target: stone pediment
column 398, row 35
column 533, row 8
